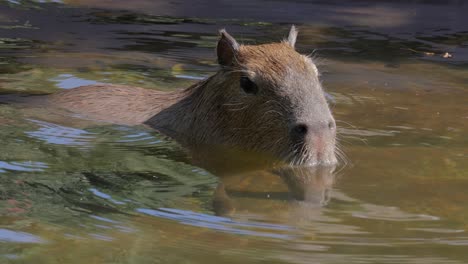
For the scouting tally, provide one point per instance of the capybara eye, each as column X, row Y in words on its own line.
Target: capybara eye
column 248, row 86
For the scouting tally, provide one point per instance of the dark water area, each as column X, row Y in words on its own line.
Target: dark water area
column 396, row 76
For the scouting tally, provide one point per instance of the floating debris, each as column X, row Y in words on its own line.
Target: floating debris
column 447, row 55
column 444, row 55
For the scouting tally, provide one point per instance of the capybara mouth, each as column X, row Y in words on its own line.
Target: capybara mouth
column 311, row 161
column 306, row 157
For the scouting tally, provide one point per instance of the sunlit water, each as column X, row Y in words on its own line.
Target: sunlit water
column 74, row 192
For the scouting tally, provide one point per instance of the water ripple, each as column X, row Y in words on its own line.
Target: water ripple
column 388, row 213
column 104, row 196
column 18, row 237
column 69, row 81
column 61, row 135
column 26, row 166
column 218, row 223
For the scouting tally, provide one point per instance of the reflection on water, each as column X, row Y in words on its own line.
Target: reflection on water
column 18, row 237
column 68, row 81
column 60, row 135
column 218, row 223
column 74, row 191
column 22, row 166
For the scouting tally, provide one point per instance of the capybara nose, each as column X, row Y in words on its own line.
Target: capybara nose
column 299, row 131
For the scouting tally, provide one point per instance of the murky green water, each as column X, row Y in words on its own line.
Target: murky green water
column 71, row 192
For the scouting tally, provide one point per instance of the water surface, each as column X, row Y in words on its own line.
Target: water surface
column 74, row 192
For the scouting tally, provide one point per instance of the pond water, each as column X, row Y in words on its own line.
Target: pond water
column 396, row 73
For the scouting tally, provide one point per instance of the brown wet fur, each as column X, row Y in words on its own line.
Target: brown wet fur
column 126, row 105
column 273, row 60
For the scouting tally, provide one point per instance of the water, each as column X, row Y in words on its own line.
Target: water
column 74, row 192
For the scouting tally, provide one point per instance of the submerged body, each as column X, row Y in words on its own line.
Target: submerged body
column 265, row 98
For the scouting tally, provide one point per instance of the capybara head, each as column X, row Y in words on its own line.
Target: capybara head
column 268, row 98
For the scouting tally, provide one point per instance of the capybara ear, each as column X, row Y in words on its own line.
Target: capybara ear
column 227, row 49
column 292, row 36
